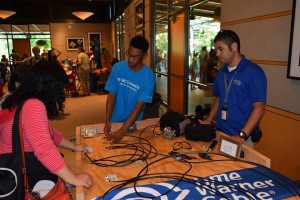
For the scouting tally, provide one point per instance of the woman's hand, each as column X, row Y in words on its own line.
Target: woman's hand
column 83, row 179
column 80, row 147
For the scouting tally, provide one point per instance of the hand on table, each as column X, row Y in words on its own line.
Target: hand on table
column 83, row 179
column 107, row 129
column 117, row 136
column 81, row 147
column 114, row 137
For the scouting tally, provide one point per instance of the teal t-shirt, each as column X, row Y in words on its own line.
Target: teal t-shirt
column 129, row 87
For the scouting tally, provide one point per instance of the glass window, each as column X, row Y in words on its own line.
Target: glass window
column 204, row 25
column 161, row 48
column 39, row 35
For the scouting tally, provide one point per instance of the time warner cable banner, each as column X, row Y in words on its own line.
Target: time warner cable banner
column 252, row 183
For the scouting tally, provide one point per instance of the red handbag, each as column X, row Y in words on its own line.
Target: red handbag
column 58, row 192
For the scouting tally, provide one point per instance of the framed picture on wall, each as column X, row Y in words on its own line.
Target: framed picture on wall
column 139, row 14
column 75, row 43
column 94, row 39
column 293, row 71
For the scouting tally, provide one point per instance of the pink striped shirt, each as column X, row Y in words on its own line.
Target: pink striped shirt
column 39, row 136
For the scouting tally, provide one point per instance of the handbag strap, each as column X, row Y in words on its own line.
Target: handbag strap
column 23, row 154
column 18, row 141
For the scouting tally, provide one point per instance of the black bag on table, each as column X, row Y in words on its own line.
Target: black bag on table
column 175, row 120
column 200, row 132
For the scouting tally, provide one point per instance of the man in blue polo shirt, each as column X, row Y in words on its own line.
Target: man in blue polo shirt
column 240, row 89
column 131, row 86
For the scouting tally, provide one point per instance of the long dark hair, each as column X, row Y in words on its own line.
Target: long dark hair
column 45, row 81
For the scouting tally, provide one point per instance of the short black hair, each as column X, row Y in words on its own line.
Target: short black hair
column 228, row 37
column 139, row 42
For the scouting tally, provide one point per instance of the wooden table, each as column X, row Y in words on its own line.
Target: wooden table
column 163, row 145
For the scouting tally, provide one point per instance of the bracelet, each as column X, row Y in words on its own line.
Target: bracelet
column 74, row 147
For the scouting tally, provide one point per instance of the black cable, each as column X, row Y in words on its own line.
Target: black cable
column 181, row 145
column 143, row 150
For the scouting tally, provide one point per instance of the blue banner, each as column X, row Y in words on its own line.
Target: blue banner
column 252, row 183
column 96, row 50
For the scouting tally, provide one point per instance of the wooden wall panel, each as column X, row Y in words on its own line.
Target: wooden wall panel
column 280, row 142
column 22, row 46
column 177, row 63
column 176, row 93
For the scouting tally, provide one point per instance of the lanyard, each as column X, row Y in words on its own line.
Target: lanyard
column 227, row 88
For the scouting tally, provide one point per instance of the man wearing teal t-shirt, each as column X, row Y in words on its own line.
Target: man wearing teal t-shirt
column 131, row 86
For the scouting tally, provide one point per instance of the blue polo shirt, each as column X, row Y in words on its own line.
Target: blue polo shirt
column 249, row 85
column 129, row 87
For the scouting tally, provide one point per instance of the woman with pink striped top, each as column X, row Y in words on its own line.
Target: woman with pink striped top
column 42, row 91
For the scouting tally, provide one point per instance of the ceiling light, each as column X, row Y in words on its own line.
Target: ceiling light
column 82, row 14
column 6, row 13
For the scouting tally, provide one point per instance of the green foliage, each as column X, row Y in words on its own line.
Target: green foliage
column 204, row 37
column 162, row 42
column 43, row 43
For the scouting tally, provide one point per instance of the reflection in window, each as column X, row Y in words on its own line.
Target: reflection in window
column 203, row 65
column 161, row 48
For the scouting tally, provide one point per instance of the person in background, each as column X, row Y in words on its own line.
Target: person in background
column 68, row 61
column 83, row 70
column 45, row 54
column 3, row 72
column 14, row 56
column 36, row 56
column 211, row 67
column 203, row 56
column 158, row 61
column 52, row 55
column 93, row 73
column 15, row 78
column 4, row 60
column 24, row 61
column 194, row 68
column 41, row 91
column 130, row 85
column 240, row 88
column 113, row 61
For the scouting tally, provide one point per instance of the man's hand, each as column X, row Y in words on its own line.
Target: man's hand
column 117, row 136
column 238, row 139
column 107, row 129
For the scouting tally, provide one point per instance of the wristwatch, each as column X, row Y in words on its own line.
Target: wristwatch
column 243, row 135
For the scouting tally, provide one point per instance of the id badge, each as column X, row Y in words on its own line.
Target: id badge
column 224, row 114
